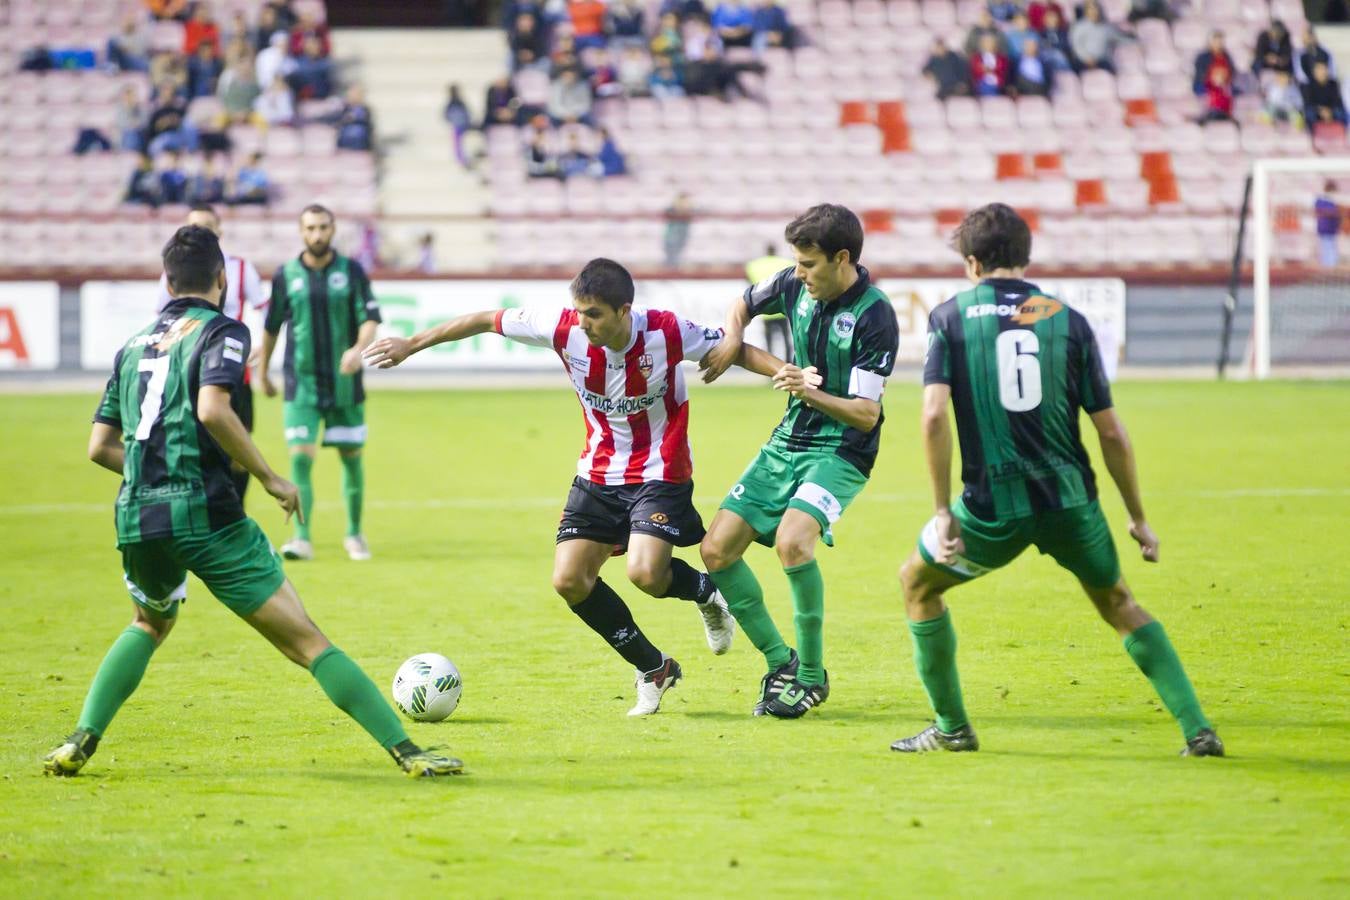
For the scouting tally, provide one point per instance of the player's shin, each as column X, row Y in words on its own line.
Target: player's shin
column 935, row 660
column 745, row 598
column 352, row 691
column 1155, row 656
column 688, row 583
column 353, row 491
column 808, row 604
column 302, row 468
column 608, row 616
column 117, row 677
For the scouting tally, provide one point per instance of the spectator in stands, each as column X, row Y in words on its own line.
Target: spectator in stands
column 312, row 77
column 574, row 160
column 1094, row 40
column 588, row 23
column 1211, row 59
column 173, row 180
column 635, row 71
column 426, row 254
column 772, row 28
column 239, row 30
column 306, row 29
column 564, row 55
column 734, row 23
column 989, row 69
column 679, row 218
column 948, row 70
column 1328, row 215
column 203, row 71
column 163, row 130
column 89, row 138
column 1036, row 12
column 130, row 120
column 668, row 40
column 1151, row 9
column 1033, row 74
column 528, row 43
column 1322, row 100
column 268, row 25
column 1284, row 100
column 143, row 186
column 1218, row 98
column 1015, row 35
column 623, row 25
column 1055, row 45
column 355, row 123
column 169, row 71
column 604, row 78
column 984, row 25
column 207, row 186
column 665, row 80
column 237, row 89
column 500, row 106
column 699, row 35
column 129, row 49
column 200, row 28
column 251, row 184
column 1003, row 10
column 273, row 60
column 456, row 114
column 1312, row 53
column 539, row 159
column 1274, row 50
column 276, row 106
column 570, row 99
column 685, row 10
column 610, row 158
column 167, row 9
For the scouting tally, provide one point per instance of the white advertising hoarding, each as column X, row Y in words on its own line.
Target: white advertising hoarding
column 30, row 325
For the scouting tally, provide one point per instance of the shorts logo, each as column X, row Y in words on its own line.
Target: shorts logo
column 645, row 365
column 660, row 518
column 297, row 432
column 737, row 491
column 337, row 281
column 844, row 324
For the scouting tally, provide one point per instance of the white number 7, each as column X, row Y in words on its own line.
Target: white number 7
column 154, row 393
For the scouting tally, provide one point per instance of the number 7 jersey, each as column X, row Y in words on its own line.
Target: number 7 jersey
column 175, row 478
column 1020, row 365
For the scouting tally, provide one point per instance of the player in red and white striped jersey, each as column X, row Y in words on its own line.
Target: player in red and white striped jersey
column 634, row 490
column 243, row 300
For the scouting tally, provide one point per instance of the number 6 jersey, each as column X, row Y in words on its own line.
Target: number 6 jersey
column 1020, row 364
column 176, row 479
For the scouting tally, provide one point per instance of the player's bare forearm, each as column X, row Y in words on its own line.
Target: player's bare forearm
column 365, row 335
column 761, row 362
column 269, row 344
column 219, row 418
column 855, row 412
column 937, row 443
column 457, row 329
column 1118, row 454
column 105, row 447
column 738, row 316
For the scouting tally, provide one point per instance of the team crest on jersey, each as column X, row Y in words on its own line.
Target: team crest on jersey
column 804, row 307
column 337, row 281
column 180, row 329
column 1034, row 309
column 645, row 365
column 844, row 323
column 297, row 284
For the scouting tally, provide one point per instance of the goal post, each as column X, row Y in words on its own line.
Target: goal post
column 1268, row 208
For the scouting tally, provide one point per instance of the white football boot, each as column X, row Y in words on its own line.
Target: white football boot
column 718, row 623
column 652, row 685
column 297, row 549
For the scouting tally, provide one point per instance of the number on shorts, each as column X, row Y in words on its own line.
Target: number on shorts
column 1019, row 371
column 154, row 393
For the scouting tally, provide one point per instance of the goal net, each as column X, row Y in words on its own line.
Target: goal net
column 1300, row 254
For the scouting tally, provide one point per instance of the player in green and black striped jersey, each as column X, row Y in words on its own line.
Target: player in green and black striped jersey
column 324, row 300
column 844, row 339
column 167, row 426
column 1017, row 365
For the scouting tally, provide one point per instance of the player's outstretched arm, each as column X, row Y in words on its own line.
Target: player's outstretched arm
column 728, row 350
column 219, row 418
column 1118, row 453
column 105, row 447
column 754, row 359
column 351, row 357
column 390, row 351
column 937, row 445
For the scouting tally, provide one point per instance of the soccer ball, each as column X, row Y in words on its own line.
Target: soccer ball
column 427, row 687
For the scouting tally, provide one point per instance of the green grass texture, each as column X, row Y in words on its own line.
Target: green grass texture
column 228, row 774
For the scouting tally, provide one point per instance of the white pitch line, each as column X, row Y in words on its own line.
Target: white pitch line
column 556, row 501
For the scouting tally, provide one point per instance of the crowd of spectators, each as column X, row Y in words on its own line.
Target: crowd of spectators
column 1297, row 87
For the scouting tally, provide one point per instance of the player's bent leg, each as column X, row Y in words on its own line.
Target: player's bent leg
column 795, row 544
column 653, row 568
column 353, row 495
column 649, row 564
column 283, row 621
column 302, row 469
column 576, row 568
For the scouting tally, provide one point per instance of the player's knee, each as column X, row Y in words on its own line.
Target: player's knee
column 795, row 551
column 715, row 555
column 350, row 452
column 154, row 626
column 911, row 581
column 647, row 577
column 1116, row 605
column 572, row 586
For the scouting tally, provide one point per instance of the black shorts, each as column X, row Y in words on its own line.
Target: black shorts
column 609, row 513
column 241, row 401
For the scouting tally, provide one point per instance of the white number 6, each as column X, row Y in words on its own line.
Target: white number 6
column 1019, row 371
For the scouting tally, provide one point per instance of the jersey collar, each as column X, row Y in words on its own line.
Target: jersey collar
column 1010, row 283
column 187, row 301
column 853, row 293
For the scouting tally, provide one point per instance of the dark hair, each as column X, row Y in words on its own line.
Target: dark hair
column 996, row 236
column 192, row 260
column 830, row 228
column 604, row 280
column 319, row 209
column 206, row 208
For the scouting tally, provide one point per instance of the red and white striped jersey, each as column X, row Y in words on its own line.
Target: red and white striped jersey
column 635, row 400
column 243, row 289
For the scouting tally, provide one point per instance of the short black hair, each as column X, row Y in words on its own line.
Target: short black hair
column 604, row 280
column 996, row 236
column 192, row 260
column 830, row 228
column 319, row 209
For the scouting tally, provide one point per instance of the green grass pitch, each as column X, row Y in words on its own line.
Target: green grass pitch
column 229, row 774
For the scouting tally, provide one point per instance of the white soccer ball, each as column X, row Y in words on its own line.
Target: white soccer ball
column 427, row 687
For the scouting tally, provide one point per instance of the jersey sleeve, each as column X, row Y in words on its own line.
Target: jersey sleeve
column 109, row 410
column 937, row 362
column 224, row 354
column 697, row 339
column 367, row 309
column 278, row 307
column 1094, row 389
column 773, row 294
column 529, row 325
column 875, row 342
column 162, row 296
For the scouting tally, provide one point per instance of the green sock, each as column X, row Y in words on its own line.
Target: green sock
column 116, row 678
column 745, row 598
column 352, row 691
column 935, row 658
column 808, row 604
column 1153, row 653
column 353, row 490
column 301, row 467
